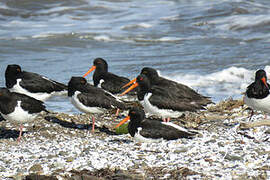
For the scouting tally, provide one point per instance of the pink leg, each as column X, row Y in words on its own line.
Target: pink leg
column 252, row 113
column 117, row 112
column 166, row 119
column 20, row 135
column 265, row 116
column 93, row 125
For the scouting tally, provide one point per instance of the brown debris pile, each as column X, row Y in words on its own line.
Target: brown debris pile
column 107, row 174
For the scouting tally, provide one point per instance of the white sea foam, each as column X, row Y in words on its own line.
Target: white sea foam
column 238, row 22
column 15, row 23
column 134, row 26
column 102, row 38
column 230, row 82
column 169, row 39
column 57, row 9
column 163, row 39
column 170, row 18
column 42, row 35
column 20, row 38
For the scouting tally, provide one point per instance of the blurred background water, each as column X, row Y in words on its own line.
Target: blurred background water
column 213, row 46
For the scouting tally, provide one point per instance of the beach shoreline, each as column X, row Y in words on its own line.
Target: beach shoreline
column 62, row 146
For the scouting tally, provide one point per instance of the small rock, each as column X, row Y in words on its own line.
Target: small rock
column 69, row 159
column 211, row 141
column 89, row 177
column 50, row 156
column 233, row 158
column 124, row 176
column 18, row 176
column 39, row 177
column 36, row 168
column 221, row 144
column 181, row 150
column 62, row 153
column 86, row 150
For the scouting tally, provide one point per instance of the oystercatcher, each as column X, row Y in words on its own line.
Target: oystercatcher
column 257, row 93
column 90, row 99
column 19, row 108
column 162, row 101
column 108, row 81
column 176, row 89
column 148, row 130
column 32, row 84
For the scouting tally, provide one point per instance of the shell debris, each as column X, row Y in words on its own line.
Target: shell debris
column 61, row 146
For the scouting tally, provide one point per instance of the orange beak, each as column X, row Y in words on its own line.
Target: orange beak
column 123, row 121
column 130, row 82
column 264, row 82
column 90, row 70
column 130, row 88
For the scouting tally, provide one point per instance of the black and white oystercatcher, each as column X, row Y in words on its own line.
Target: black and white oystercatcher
column 163, row 102
column 174, row 88
column 32, row 84
column 90, row 99
column 257, row 93
column 108, row 81
column 147, row 130
column 19, row 108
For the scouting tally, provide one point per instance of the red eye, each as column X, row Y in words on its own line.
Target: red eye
column 141, row 78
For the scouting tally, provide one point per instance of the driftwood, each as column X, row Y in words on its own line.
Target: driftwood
column 254, row 124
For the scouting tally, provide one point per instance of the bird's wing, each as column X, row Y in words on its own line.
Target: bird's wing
column 184, row 92
column 38, row 83
column 165, row 100
column 114, row 83
column 97, row 100
column 156, row 129
column 31, row 104
column 106, row 96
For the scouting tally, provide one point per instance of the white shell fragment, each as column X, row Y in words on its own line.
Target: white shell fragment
column 222, row 152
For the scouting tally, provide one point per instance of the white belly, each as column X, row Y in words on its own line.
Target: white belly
column 154, row 110
column 258, row 104
column 39, row 96
column 19, row 116
column 139, row 138
column 75, row 101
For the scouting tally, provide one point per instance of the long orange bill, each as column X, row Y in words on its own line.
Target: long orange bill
column 264, row 82
column 90, row 70
column 123, row 121
column 130, row 88
column 129, row 83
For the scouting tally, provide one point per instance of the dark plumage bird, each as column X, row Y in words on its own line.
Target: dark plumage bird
column 146, row 130
column 166, row 100
column 108, row 81
column 176, row 89
column 19, row 108
column 257, row 93
column 90, row 99
column 32, row 84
